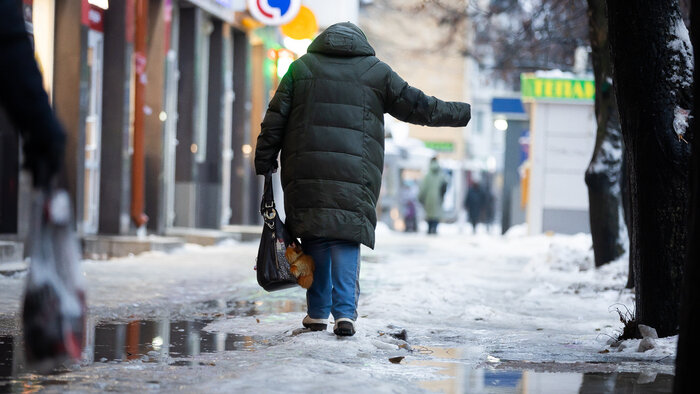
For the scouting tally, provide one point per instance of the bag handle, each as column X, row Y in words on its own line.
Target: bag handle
column 267, row 205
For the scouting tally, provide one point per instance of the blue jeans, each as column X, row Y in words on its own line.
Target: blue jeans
column 336, row 285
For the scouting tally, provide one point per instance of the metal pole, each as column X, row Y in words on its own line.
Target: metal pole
column 138, row 158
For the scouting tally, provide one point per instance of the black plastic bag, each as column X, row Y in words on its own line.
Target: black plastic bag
column 54, row 309
column 272, row 266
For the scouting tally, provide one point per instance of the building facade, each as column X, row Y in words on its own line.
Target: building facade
column 162, row 102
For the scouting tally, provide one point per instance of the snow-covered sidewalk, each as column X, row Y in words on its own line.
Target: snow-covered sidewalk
column 465, row 301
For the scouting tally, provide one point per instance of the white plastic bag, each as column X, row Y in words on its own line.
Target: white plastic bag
column 54, row 308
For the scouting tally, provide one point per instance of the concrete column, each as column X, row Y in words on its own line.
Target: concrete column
column 170, row 102
column 209, row 170
column 70, row 94
column 184, row 168
column 153, row 126
column 240, row 165
column 259, row 98
column 115, row 169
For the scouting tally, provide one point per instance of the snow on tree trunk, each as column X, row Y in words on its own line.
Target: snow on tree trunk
column 689, row 340
column 603, row 173
column 652, row 64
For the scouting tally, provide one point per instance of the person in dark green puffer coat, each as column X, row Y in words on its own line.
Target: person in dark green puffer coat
column 327, row 118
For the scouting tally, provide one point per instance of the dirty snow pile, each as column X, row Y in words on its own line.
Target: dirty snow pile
column 651, row 346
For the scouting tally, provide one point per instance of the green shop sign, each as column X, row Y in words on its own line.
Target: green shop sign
column 533, row 87
column 440, row 146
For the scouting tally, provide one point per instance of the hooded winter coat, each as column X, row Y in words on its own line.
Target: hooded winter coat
column 327, row 117
column 431, row 192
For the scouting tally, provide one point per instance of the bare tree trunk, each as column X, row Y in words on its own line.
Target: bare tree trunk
column 689, row 340
column 625, row 197
column 652, row 65
column 603, row 173
column 625, row 191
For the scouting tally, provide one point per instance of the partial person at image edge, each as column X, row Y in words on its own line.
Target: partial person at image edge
column 327, row 118
column 24, row 99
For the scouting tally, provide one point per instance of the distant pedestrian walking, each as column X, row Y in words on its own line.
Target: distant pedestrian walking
column 431, row 195
column 474, row 203
column 327, row 119
column 409, row 206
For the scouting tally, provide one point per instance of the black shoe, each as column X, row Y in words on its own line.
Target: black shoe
column 344, row 327
column 314, row 324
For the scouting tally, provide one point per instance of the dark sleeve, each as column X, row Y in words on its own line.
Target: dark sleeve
column 273, row 126
column 23, row 97
column 409, row 104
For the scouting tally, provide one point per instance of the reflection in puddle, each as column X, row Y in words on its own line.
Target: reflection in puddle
column 455, row 377
column 151, row 341
column 451, row 372
column 154, row 341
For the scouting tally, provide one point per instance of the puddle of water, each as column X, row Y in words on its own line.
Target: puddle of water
column 459, row 379
column 152, row 340
column 155, row 340
column 456, row 377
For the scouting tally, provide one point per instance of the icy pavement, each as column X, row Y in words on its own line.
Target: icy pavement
column 454, row 313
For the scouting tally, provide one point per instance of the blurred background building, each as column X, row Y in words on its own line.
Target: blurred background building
column 163, row 99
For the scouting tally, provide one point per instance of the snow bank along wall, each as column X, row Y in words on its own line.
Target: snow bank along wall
column 562, row 137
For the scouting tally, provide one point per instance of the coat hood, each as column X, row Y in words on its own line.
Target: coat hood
column 342, row 39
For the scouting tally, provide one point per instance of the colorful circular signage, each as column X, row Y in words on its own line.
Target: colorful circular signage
column 274, row 12
column 303, row 26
